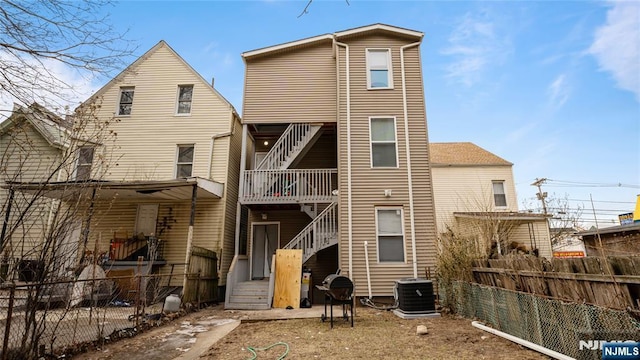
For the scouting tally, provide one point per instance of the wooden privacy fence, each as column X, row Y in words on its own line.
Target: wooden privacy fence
column 202, row 281
column 612, row 281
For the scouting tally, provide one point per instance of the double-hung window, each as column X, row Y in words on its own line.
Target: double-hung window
column 379, row 74
column 184, row 163
column 499, row 196
column 126, row 101
column 85, row 161
column 185, row 96
column 383, row 142
column 390, row 234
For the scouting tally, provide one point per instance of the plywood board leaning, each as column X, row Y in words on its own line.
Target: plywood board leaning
column 288, row 274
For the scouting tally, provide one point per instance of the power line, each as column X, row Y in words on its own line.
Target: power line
column 566, row 183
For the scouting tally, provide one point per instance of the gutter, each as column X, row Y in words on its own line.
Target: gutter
column 213, row 138
column 349, row 196
column 408, row 151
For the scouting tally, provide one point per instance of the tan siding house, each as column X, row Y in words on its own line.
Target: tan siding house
column 176, row 152
column 339, row 169
column 471, row 185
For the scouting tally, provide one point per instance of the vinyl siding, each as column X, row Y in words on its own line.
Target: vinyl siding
column 368, row 184
column 146, row 140
column 34, row 160
column 468, row 189
column 230, row 200
column 283, row 88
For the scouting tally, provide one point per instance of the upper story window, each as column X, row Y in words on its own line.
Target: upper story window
column 499, row 196
column 184, row 163
column 383, row 142
column 185, row 95
column 379, row 69
column 390, row 234
column 85, row 161
column 126, row 101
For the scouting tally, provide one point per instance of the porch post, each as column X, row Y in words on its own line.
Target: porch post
column 243, row 166
column 192, row 219
column 85, row 231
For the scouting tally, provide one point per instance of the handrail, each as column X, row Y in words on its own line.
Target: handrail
column 292, row 139
column 289, row 186
column 319, row 234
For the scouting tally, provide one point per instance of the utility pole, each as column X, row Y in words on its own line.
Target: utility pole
column 541, row 195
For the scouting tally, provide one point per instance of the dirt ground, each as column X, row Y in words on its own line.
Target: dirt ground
column 376, row 335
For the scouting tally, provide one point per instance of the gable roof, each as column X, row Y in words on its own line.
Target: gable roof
column 49, row 125
column 463, row 154
column 330, row 37
column 145, row 56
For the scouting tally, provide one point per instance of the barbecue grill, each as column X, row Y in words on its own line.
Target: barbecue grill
column 338, row 290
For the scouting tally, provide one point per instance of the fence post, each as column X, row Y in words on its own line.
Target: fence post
column 198, row 289
column 138, row 289
column 7, row 327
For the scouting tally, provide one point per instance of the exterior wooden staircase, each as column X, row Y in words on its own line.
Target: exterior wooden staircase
column 321, row 233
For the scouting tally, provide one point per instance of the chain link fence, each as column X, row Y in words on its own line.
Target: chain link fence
column 573, row 329
column 45, row 320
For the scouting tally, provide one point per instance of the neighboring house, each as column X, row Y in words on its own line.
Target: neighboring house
column 34, row 144
column 567, row 244
column 170, row 177
column 334, row 162
column 475, row 193
column 618, row 240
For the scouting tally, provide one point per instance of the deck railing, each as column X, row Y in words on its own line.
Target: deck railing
column 302, row 186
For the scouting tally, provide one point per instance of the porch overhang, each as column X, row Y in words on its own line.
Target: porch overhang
column 175, row 189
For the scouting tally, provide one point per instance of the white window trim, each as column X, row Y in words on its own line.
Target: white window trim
column 395, row 133
column 193, row 89
column 493, row 194
column 175, row 166
column 389, row 68
column 404, row 237
column 123, row 88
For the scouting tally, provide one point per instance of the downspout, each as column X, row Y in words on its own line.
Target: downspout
column 243, row 161
column 349, row 198
column 213, row 138
column 192, row 219
column 408, row 150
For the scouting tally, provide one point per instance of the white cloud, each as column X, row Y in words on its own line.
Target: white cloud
column 49, row 82
column 616, row 45
column 474, row 45
column 558, row 91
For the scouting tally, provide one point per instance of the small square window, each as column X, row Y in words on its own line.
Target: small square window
column 185, row 95
column 499, row 196
column 390, row 235
column 184, row 163
column 383, row 142
column 85, row 161
column 379, row 69
column 126, row 101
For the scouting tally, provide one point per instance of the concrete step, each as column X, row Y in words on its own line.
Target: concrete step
column 248, row 299
column 246, row 306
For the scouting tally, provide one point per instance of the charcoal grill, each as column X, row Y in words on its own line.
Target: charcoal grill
column 338, row 290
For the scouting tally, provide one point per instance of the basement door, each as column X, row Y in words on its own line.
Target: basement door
column 266, row 237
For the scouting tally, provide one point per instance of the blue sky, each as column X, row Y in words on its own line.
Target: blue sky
column 552, row 86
